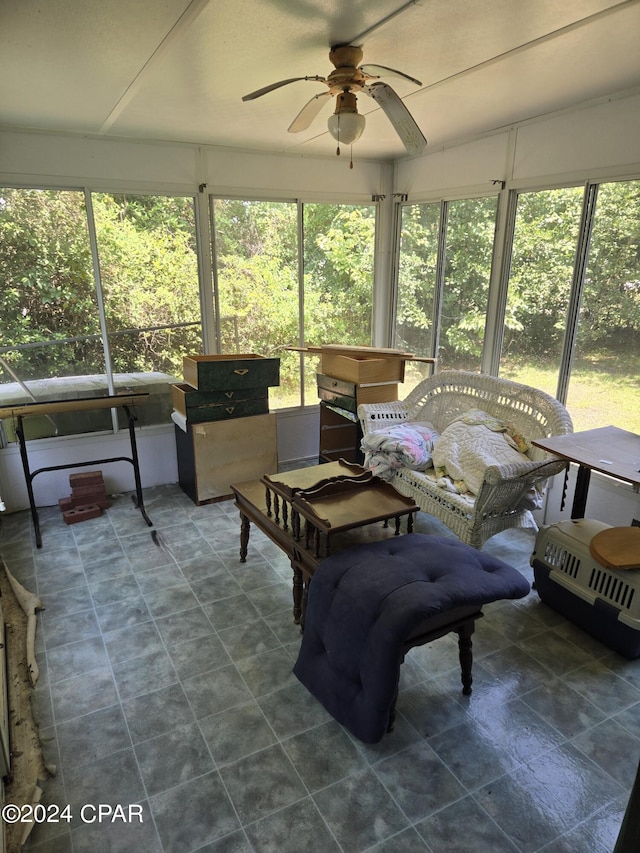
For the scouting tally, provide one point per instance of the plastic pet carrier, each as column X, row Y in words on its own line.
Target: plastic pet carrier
column 603, row 602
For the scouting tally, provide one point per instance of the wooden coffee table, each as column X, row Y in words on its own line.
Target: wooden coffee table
column 331, row 507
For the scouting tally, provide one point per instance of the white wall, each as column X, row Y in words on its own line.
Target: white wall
column 59, row 160
column 594, row 141
column 156, row 452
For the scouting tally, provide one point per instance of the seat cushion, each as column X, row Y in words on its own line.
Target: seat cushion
column 366, row 601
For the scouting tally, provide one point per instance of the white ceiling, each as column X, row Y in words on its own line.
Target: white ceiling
column 177, row 70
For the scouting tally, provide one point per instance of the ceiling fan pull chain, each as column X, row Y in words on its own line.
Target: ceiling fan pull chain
column 351, row 160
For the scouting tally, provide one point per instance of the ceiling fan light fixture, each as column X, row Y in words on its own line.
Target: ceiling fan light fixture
column 346, row 124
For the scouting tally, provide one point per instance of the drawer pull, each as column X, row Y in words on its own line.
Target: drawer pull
column 229, row 410
column 228, row 394
column 242, row 371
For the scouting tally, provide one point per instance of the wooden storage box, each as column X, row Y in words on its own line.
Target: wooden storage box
column 213, row 455
column 202, row 406
column 363, row 364
column 362, row 370
column 230, row 372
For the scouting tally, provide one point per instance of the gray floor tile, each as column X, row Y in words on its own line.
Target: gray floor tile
column 272, row 834
column 95, row 735
column 547, row 797
column 157, row 712
column 193, row 814
column 215, row 691
column 359, row 811
column 419, row 781
column 173, row 758
column 262, row 783
column 464, row 827
column 236, row 733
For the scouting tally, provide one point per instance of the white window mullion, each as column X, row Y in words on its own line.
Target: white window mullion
column 95, row 259
column 577, row 288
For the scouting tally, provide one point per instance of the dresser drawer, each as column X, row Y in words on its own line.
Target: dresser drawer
column 230, row 372
column 202, row 406
column 348, row 395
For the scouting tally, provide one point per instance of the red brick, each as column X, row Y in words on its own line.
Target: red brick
column 88, row 498
column 65, row 504
column 90, row 489
column 85, row 478
column 84, row 513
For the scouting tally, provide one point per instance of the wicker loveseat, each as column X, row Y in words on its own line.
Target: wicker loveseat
column 502, row 499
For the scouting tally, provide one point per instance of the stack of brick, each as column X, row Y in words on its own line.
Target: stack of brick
column 87, row 499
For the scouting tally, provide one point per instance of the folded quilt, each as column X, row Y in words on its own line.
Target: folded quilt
column 406, row 445
column 365, row 602
column 469, row 445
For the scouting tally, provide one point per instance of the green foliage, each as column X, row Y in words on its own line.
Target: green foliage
column 468, row 247
column 149, row 274
column 257, row 264
column 148, row 268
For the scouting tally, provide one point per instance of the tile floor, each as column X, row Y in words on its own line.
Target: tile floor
column 166, row 682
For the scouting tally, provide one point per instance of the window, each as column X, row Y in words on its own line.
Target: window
column 603, row 386
column 544, row 250
column 338, row 279
column 593, row 363
column 149, row 277
column 266, row 305
column 68, row 332
column 48, row 302
column 443, row 282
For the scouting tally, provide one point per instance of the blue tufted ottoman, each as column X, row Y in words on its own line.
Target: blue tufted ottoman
column 370, row 604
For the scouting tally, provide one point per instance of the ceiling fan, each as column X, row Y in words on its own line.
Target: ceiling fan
column 345, row 82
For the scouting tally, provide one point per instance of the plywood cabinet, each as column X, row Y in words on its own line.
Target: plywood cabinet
column 215, row 454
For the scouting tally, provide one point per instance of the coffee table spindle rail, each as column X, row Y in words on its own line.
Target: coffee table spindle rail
column 341, row 504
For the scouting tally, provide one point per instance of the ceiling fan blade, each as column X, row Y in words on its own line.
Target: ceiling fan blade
column 259, row 92
column 399, row 116
column 309, row 112
column 384, row 71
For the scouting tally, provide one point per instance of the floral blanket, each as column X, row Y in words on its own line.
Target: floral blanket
column 401, row 446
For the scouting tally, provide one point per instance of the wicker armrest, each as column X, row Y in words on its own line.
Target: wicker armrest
column 531, row 472
column 374, row 416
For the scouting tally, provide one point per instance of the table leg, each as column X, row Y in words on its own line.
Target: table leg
column 245, row 527
column 298, row 587
column 580, row 494
column 466, row 655
column 410, row 523
column 29, row 480
column 305, row 599
column 139, row 502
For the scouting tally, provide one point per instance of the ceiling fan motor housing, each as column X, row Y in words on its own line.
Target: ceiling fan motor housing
column 346, row 76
